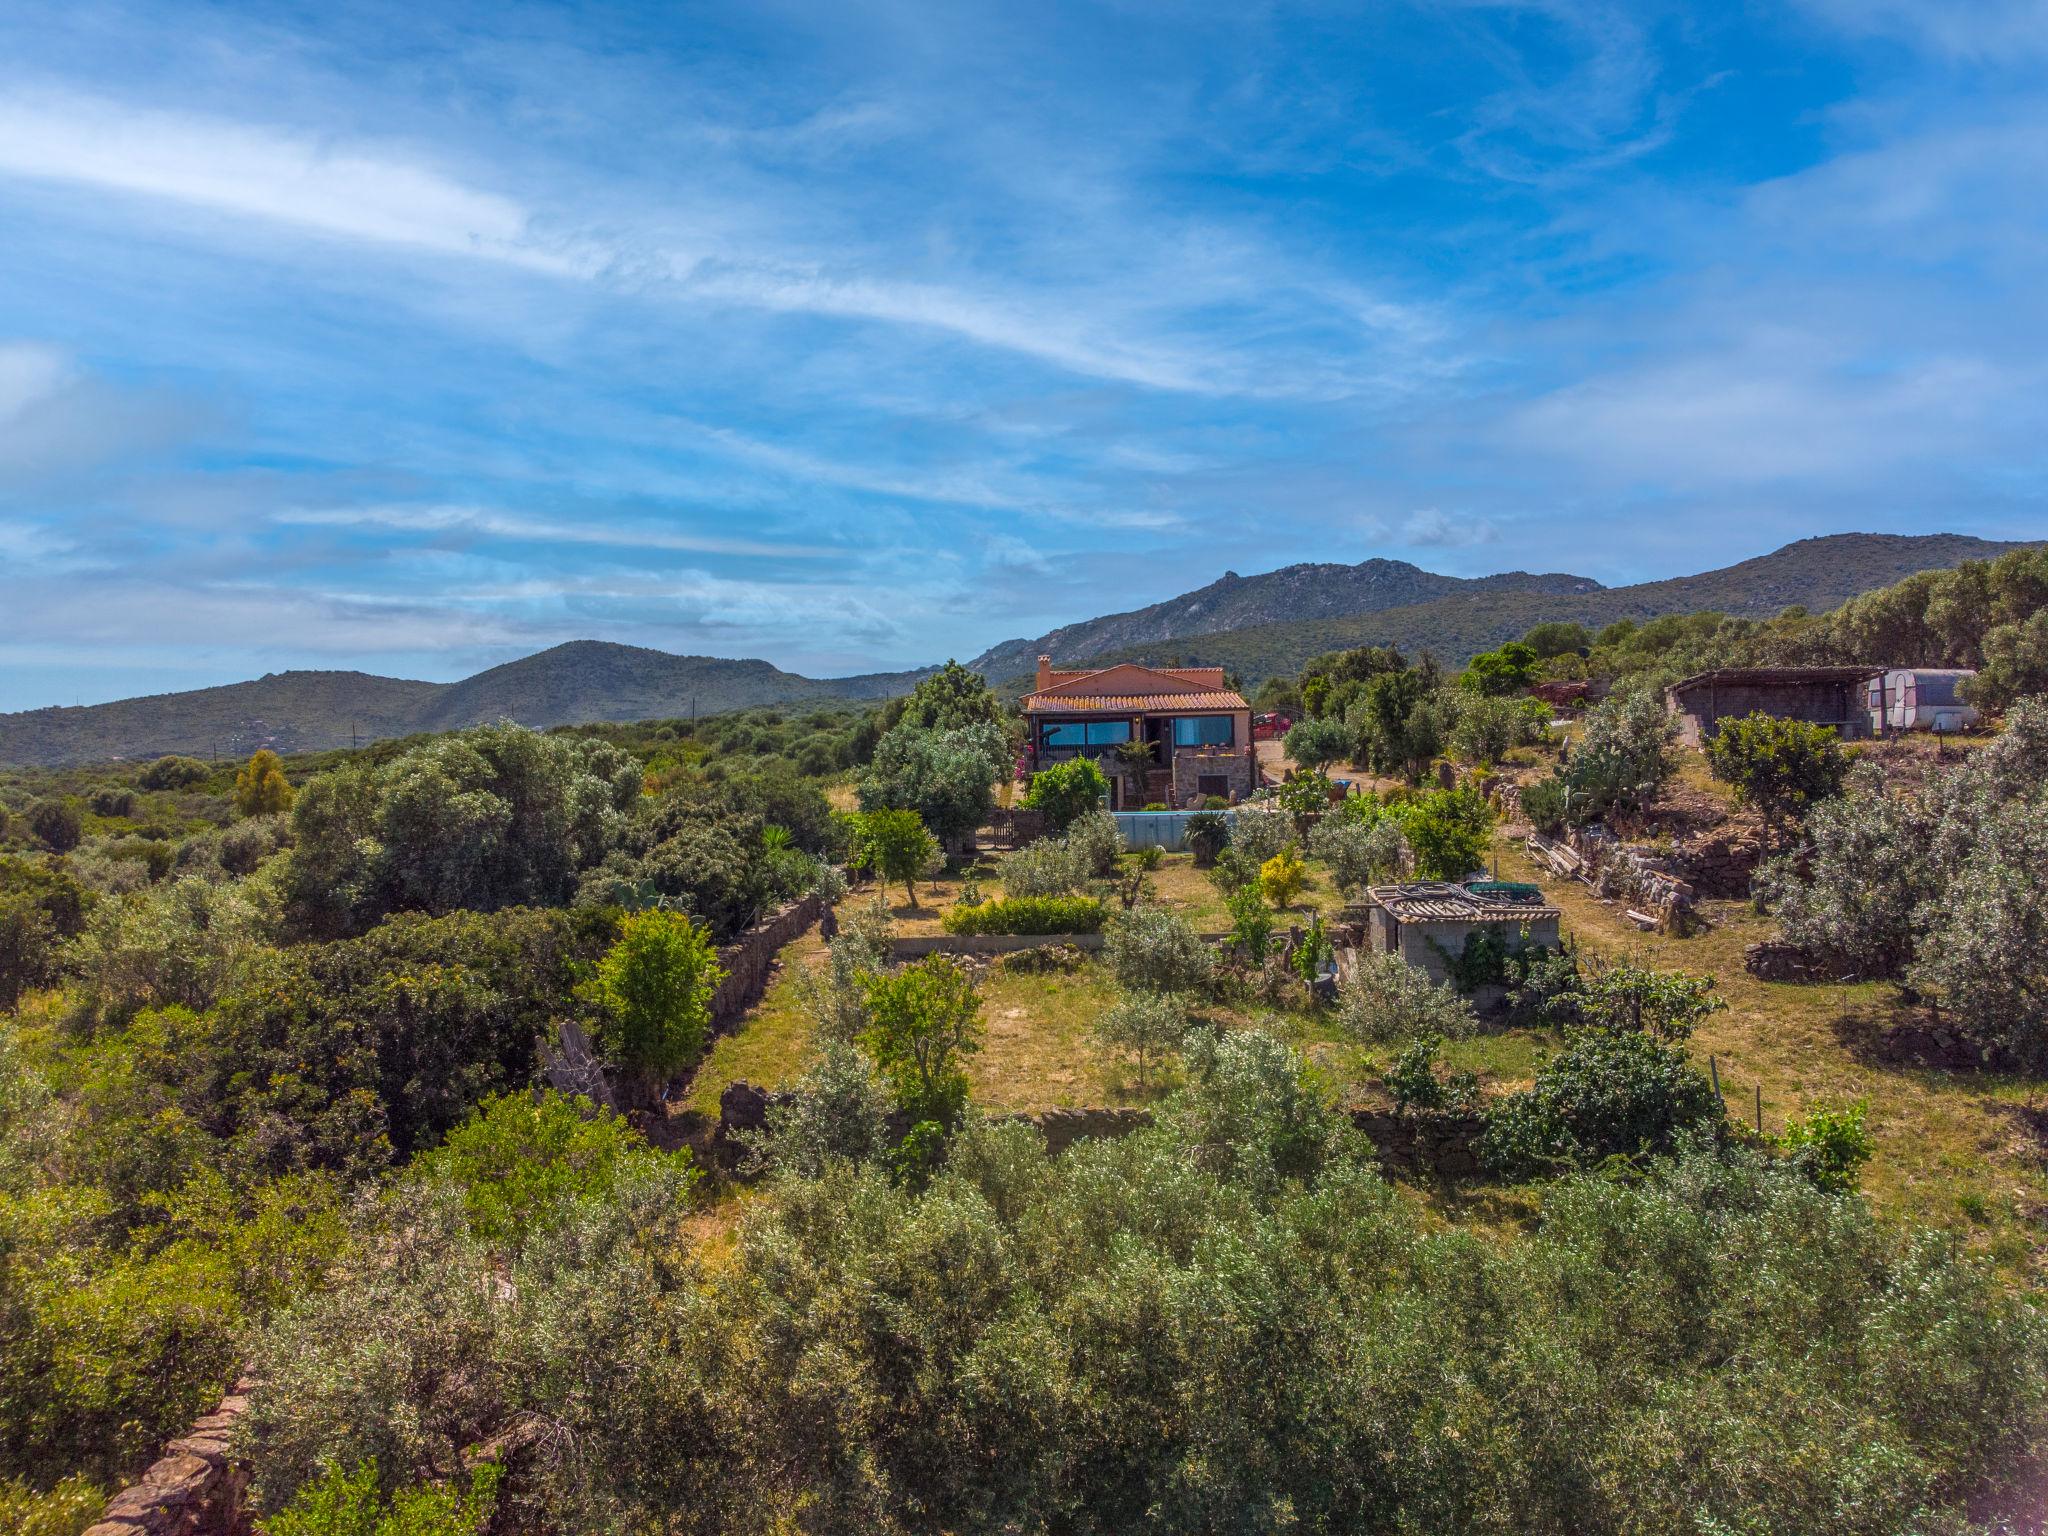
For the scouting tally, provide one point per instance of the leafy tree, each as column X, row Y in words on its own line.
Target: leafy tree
column 1488, row 728
column 1666, row 1004
column 1315, row 743
column 1505, row 671
column 1151, row 949
column 1067, row 791
column 950, row 698
column 1387, row 999
column 1609, row 1093
column 1145, row 1026
column 655, row 986
column 896, row 846
column 56, row 824
column 2015, row 663
column 1283, row 878
column 1251, row 922
column 947, row 777
column 837, row 1112
column 27, row 947
column 1556, row 638
column 695, row 857
column 1359, row 850
column 1621, row 760
column 524, row 1161
column 1448, row 831
column 1095, row 842
column 1413, row 1081
column 174, row 773
column 1782, row 767
column 1305, row 798
column 924, row 1018
column 261, row 788
column 1398, row 724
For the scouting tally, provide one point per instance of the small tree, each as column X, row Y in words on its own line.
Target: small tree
column 1830, row 1146
column 1150, row 949
column 1388, row 999
column 896, row 846
column 1359, row 852
column 1496, row 673
column 1283, row 878
column 27, row 946
column 1782, row 767
column 1413, row 1081
column 655, row 986
column 1146, row 1026
column 1251, row 923
column 837, row 1112
column 925, row 1018
column 1066, row 791
column 261, row 788
column 56, row 824
column 947, row 777
column 1315, row 743
column 1668, row 1005
column 1622, row 759
column 173, row 773
column 1449, row 831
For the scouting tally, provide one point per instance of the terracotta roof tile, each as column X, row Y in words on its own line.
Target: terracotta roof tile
column 1061, row 703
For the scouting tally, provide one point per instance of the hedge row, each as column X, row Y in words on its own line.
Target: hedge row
column 1030, row 914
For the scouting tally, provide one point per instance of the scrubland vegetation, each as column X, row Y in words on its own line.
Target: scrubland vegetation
column 273, row 1092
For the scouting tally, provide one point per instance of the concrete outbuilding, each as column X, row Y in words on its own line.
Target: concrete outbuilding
column 1427, row 922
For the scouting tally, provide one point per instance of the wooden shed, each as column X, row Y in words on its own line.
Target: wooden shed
column 1830, row 696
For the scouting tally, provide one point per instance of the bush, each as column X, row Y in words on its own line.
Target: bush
column 1283, row 878
column 1388, row 999
column 66, row 1509
column 1151, row 949
column 896, row 846
column 837, row 1112
column 1312, row 744
column 925, row 1018
column 1782, row 767
column 1413, row 1081
column 1251, row 923
column 174, row 773
column 1830, row 1146
column 1623, row 757
column 1259, row 835
column 1544, row 802
column 1095, row 842
column 1448, row 831
column 1359, row 851
column 1067, row 791
column 1609, row 1093
column 1030, row 915
column 261, row 788
column 1146, row 1026
column 56, row 824
column 655, row 987
column 352, row 1504
column 112, row 803
column 1049, row 867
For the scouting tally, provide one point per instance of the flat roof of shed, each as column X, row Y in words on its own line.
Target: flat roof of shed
column 1440, row 901
column 1768, row 677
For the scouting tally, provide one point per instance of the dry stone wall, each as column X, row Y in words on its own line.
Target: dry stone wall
column 194, row 1489
column 750, row 959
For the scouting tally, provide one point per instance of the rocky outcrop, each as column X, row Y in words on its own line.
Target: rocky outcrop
column 194, row 1489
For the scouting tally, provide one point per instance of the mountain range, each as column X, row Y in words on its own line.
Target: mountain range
column 1255, row 625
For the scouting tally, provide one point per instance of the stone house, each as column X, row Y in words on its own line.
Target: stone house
column 1831, row 696
column 1198, row 727
column 1428, row 922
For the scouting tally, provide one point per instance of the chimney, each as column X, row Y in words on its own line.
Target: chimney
column 1044, row 673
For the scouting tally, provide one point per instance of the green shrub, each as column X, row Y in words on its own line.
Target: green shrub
column 173, row 773
column 923, row 1019
column 1030, row 915
column 1413, row 1081
column 1609, row 1093
column 1066, row 791
column 655, row 987
column 1830, row 1146
column 352, row 1504
column 64, row 1510
column 1150, row 949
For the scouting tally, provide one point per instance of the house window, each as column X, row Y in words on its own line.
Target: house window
column 1084, row 733
column 1203, row 731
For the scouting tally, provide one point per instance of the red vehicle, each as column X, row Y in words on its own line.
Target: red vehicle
column 1270, row 727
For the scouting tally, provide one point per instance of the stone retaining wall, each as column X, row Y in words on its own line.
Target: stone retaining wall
column 1775, row 960
column 750, row 958
column 194, row 1489
column 1445, row 1146
column 918, row 946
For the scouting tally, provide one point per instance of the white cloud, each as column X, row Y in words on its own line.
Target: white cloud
column 490, row 523
column 1430, row 528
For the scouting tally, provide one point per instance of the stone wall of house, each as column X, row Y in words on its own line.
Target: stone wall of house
column 1191, row 765
column 193, row 1489
column 750, row 959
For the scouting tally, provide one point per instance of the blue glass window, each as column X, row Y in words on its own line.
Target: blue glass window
column 1203, row 731
column 1084, row 733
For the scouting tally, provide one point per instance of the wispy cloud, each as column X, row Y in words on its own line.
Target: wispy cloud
column 490, row 523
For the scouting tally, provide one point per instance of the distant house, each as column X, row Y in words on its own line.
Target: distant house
column 1198, row 727
column 1921, row 699
column 1831, row 696
column 1427, row 923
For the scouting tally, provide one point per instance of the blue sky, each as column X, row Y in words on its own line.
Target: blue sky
column 417, row 337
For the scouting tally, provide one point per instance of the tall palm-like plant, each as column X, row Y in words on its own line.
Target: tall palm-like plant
column 1134, row 758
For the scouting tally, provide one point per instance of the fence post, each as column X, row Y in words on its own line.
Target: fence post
column 1759, row 1109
